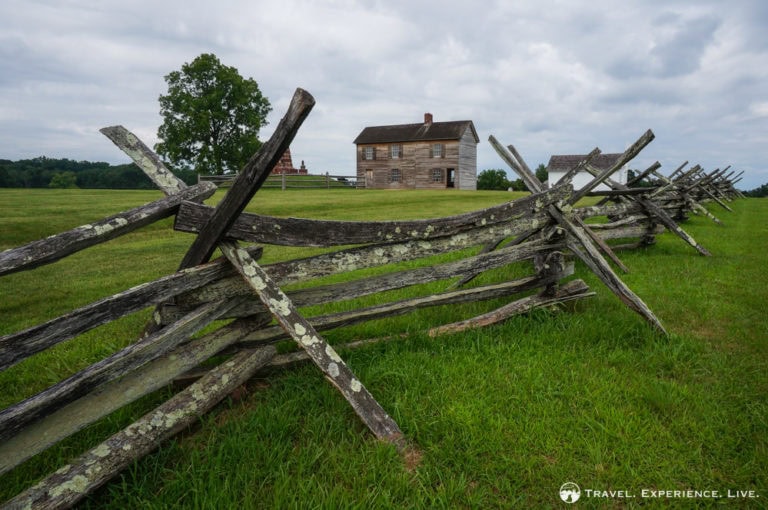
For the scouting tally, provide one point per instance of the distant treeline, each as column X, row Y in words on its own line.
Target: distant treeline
column 761, row 191
column 43, row 172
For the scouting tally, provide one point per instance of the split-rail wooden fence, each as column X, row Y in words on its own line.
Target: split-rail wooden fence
column 544, row 228
column 293, row 181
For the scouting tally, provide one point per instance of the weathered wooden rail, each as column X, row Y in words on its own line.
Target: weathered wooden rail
column 676, row 197
column 543, row 228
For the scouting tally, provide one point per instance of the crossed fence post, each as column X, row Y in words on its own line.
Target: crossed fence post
column 247, row 183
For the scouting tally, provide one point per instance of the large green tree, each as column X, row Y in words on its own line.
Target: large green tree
column 211, row 117
column 493, row 178
column 65, row 180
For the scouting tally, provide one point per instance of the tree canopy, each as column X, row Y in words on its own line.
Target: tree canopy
column 496, row 178
column 63, row 180
column 44, row 172
column 493, row 178
column 760, row 191
column 211, row 117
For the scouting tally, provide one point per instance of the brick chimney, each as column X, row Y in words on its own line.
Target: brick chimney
column 427, row 119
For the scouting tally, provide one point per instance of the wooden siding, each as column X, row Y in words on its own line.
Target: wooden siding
column 466, row 177
column 581, row 179
column 416, row 164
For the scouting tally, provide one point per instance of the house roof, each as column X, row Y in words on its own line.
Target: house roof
column 565, row 163
column 416, row 132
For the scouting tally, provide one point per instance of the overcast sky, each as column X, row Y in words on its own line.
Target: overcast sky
column 551, row 77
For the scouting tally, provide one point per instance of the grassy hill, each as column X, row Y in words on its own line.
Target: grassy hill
column 502, row 417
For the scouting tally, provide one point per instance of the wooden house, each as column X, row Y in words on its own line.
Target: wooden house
column 558, row 166
column 428, row 155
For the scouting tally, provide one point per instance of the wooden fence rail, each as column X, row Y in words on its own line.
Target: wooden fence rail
column 293, row 181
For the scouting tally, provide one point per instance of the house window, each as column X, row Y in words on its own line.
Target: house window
column 394, row 175
column 438, row 150
column 369, row 153
column 395, row 151
column 437, row 175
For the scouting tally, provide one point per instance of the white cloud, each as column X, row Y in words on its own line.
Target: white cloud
column 759, row 109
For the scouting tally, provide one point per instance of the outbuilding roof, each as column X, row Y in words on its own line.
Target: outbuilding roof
column 452, row 130
column 566, row 162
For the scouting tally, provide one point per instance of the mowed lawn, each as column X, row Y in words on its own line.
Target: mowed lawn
column 500, row 417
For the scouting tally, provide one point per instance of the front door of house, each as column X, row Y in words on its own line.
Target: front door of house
column 450, row 178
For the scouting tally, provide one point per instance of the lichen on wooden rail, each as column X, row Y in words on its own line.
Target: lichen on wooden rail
column 117, row 393
column 307, row 232
column 112, row 367
column 74, row 481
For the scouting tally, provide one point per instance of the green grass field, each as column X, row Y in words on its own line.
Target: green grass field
column 502, row 417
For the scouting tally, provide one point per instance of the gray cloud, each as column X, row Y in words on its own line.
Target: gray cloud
column 547, row 76
column 674, row 47
column 681, row 53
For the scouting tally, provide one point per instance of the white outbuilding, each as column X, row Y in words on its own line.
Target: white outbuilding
column 559, row 165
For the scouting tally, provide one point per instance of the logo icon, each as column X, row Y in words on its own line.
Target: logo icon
column 570, row 492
